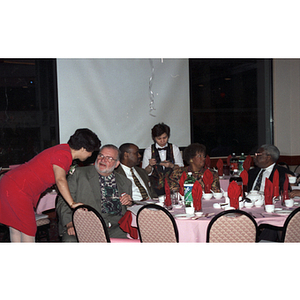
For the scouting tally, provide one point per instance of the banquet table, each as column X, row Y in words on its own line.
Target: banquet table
column 46, row 202
column 194, row 230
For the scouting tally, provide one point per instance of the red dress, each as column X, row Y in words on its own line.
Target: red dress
column 20, row 188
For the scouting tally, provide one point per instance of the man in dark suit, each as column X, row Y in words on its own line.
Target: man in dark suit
column 100, row 187
column 265, row 160
column 130, row 158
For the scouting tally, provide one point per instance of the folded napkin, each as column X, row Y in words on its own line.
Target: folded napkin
column 234, row 191
column 181, row 183
column 286, row 188
column 197, row 195
column 208, row 179
column 247, row 163
column 228, row 159
column 207, row 162
column 268, row 191
column 220, row 166
column 125, row 225
column 244, row 176
column 168, row 201
column 276, row 183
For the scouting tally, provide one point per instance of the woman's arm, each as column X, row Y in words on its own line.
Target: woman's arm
column 62, row 185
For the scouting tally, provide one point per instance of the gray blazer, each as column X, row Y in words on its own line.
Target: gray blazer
column 84, row 187
column 144, row 176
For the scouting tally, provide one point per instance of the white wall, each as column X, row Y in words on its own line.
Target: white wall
column 112, row 98
column 286, row 97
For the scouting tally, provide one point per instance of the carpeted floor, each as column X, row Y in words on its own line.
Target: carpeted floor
column 53, row 230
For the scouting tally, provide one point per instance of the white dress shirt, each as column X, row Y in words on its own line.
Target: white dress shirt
column 163, row 156
column 266, row 174
column 136, row 195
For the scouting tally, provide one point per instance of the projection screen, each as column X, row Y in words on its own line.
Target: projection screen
column 122, row 99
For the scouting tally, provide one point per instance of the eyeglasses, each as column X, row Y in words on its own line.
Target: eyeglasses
column 200, row 155
column 107, row 158
column 260, row 154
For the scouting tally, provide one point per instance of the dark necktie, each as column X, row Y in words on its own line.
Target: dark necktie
column 139, row 185
column 259, row 180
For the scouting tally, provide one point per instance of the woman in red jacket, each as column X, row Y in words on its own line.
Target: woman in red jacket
column 20, row 188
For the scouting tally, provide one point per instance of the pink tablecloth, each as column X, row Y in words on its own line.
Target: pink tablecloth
column 47, row 202
column 194, row 231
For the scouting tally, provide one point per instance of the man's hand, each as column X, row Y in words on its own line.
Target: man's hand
column 125, row 199
column 70, row 229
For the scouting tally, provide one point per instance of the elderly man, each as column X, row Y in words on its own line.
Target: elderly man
column 130, row 158
column 265, row 159
column 100, row 187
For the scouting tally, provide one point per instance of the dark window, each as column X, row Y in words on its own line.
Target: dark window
column 231, row 104
column 28, row 108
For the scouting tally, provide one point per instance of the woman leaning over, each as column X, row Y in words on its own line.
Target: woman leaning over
column 20, row 188
column 194, row 155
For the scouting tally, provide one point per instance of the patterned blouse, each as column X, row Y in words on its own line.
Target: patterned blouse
column 174, row 178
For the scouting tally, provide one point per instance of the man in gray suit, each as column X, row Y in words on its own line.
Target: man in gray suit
column 100, row 187
column 130, row 158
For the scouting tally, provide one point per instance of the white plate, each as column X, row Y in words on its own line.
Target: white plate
column 283, row 212
column 183, row 216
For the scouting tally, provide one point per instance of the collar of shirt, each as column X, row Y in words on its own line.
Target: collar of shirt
column 136, row 195
column 266, row 174
column 157, row 146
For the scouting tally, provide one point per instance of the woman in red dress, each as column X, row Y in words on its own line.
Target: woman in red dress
column 20, row 188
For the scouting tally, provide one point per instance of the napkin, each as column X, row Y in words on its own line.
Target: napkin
column 197, row 195
column 268, row 191
column 125, row 225
column 207, row 162
column 286, row 188
column 244, row 175
column 234, row 192
column 276, row 183
column 181, row 183
column 247, row 163
column 208, row 179
column 168, row 201
column 228, row 159
column 220, row 167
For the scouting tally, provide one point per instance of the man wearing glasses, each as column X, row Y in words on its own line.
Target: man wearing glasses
column 100, row 187
column 265, row 160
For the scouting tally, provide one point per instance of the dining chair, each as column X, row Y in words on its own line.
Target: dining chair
column 290, row 231
column 89, row 225
column 156, row 225
column 232, row 226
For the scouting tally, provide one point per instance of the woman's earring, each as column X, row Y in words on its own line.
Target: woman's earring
column 191, row 160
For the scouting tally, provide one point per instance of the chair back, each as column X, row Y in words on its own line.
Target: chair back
column 232, row 226
column 291, row 231
column 89, row 225
column 156, row 225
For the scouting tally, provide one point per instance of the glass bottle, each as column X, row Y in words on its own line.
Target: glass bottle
column 233, row 163
column 188, row 186
column 241, row 162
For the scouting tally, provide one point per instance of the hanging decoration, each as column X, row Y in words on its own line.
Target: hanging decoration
column 151, row 94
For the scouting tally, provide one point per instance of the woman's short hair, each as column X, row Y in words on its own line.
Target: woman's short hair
column 160, row 129
column 192, row 150
column 84, row 138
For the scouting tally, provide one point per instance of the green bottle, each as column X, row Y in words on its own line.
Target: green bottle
column 188, row 186
column 241, row 162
